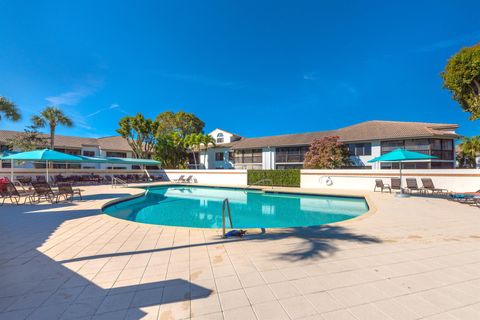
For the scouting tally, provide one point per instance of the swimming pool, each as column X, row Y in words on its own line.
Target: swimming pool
column 201, row 207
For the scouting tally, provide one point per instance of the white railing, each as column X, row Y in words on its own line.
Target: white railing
column 117, row 181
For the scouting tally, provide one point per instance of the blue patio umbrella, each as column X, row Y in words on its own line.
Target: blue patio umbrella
column 46, row 155
column 400, row 156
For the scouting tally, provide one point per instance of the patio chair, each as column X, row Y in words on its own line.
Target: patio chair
column 180, row 179
column 65, row 190
column 395, row 183
column 9, row 191
column 40, row 179
column 379, row 184
column 412, row 185
column 190, row 179
column 428, row 185
column 42, row 190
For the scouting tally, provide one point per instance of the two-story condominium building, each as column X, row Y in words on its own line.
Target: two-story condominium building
column 365, row 141
column 114, row 146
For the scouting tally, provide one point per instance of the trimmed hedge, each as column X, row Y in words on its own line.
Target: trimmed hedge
column 281, row 178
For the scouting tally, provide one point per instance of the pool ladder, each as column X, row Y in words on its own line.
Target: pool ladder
column 226, row 204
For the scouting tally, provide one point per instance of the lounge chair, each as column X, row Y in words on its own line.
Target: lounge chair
column 43, row 191
column 464, row 196
column 65, row 190
column 379, row 184
column 428, row 185
column 9, row 191
column 412, row 185
column 395, row 183
column 180, row 179
column 190, row 179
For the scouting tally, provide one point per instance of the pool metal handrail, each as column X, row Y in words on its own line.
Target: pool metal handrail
column 116, row 181
column 226, row 204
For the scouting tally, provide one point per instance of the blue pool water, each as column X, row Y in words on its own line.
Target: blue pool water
column 201, row 207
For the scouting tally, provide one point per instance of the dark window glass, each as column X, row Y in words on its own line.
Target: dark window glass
column 89, row 153
column 231, row 156
column 116, row 154
column 218, row 156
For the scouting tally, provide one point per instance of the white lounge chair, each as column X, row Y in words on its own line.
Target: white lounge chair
column 180, row 179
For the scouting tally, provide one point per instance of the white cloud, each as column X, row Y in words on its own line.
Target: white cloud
column 310, row 76
column 77, row 94
column 114, row 106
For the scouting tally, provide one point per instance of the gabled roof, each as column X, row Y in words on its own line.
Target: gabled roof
column 365, row 131
column 107, row 143
column 233, row 134
column 387, row 130
column 282, row 140
column 114, row 143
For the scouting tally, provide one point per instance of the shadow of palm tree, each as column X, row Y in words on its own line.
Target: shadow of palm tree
column 312, row 242
column 306, row 243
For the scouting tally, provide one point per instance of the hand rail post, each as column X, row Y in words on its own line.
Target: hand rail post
column 226, row 203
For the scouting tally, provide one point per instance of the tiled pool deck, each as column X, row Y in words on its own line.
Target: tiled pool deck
column 415, row 258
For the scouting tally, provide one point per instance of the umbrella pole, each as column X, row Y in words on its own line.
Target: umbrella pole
column 11, row 170
column 401, row 189
column 47, row 170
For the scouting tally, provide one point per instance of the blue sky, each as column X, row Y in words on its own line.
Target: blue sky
column 250, row 67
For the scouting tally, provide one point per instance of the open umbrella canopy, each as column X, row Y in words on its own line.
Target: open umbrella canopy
column 399, row 155
column 92, row 159
column 42, row 155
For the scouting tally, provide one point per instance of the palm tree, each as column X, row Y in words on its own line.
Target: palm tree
column 52, row 116
column 470, row 147
column 9, row 110
column 193, row 142
column 206, row 140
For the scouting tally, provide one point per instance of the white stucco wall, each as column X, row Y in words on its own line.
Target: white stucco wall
column 457, row 180
column 220, row 177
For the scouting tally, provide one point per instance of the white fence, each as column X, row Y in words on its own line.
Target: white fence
column 220, row 177
column 458, row 180
column 452, row 179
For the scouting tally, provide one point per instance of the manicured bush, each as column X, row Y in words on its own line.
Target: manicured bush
column 281, row 178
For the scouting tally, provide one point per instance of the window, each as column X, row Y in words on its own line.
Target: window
column 75, row 152
column 290, row 154
column 220, row 138
column 135, row 167
column 89, row 153
column 248, row 156
column 231, row 156
column 218, row 156
column 116, row 154
column 360, row 149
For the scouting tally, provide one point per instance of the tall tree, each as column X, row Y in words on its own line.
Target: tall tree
column 182, row 122
column 327, row 153
column 28, row 140
column 193, row 141
column 9, row 110
column 140, row 133
column 206, row 141
column 469, row 148
column 462, row 77
column 52, row 117
column 170, row 151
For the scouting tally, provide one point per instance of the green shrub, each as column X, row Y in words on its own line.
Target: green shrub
column 281, row 178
